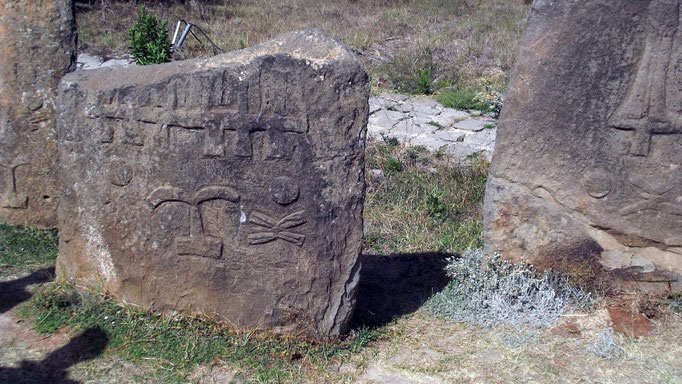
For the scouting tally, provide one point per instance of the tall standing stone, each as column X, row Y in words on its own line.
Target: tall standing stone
column 231, row 186
column 37, row 48
column 586, row 174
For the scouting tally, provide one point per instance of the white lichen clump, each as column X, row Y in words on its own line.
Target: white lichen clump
column 495, row 292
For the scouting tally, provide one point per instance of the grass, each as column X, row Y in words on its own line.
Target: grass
column 412, row 46
column 176, row 345
column 426, row 204
column 26, row 249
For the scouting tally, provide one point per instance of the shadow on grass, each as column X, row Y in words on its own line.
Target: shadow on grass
column 14, row 292
column 53, row 369
column 395, row 285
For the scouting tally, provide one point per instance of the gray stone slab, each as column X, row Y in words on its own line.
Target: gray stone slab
column 37, row 48
column 230, row 186
column 587, row 161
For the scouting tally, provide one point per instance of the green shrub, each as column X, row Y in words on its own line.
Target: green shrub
column 393, row 164
column 149, row 40
column 461, row 98
column 435, row 206
column 424, row 81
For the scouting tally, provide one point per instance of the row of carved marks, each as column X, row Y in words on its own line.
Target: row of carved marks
column 10, row 197
column 223, row 131
column 198, row 243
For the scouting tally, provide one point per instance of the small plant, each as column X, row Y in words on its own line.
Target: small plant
column 497, row 292
column 441, row 152
column 393, row 164
column 489, row 126
column 435, row 206
column 414, row 153
column 149, row 40
column 607, row 346
column 391, row 141
column 436, row 124
column 424, row 81
column 490, row 101
column 461, row 98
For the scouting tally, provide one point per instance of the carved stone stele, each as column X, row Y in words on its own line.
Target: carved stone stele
column 587, row 170
column 231, row 186
column 37, row 48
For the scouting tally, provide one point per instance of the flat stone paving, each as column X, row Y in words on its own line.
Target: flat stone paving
column 423, row 121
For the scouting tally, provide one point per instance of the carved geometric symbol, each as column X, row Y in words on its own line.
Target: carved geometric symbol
column 11, row 198
column 277, row 229
column 284, row 190
column 198, row 243
column 645, row 108
column 120, row 173
column 597, row 183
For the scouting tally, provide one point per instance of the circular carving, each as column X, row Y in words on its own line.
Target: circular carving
column 597, row 184
column 120, row 173
column 284, row 190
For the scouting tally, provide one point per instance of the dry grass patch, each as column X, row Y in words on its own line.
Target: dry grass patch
column 440, row 43
column 419, row 201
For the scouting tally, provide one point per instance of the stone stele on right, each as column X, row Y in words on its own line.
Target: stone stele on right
column 586, row 177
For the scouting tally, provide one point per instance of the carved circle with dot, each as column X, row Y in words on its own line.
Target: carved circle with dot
column 597, row 184
column 283, row 190
column 120, row 173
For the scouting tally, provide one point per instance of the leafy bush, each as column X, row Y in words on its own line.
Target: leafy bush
column 498, row 292
column 149, row 39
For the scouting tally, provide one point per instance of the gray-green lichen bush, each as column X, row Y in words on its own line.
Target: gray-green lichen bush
column 497, row 292
column 607, row 345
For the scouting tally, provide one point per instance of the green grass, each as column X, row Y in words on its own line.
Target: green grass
column 462, row 98
column 26, row 249
column 176, row 345
column 429, row 205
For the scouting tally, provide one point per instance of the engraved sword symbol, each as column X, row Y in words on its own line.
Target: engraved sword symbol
column 12, row 199
column 276, row 229
column 645, row 109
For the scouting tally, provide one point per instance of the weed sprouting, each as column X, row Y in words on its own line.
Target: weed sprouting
column 436, row 124
column 495, row 292
column 435, row 206
column 393, row 165
column 424, row 81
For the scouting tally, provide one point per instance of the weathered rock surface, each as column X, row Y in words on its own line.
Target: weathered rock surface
column 37, row 48
column 586, row 169
column 231, row 186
